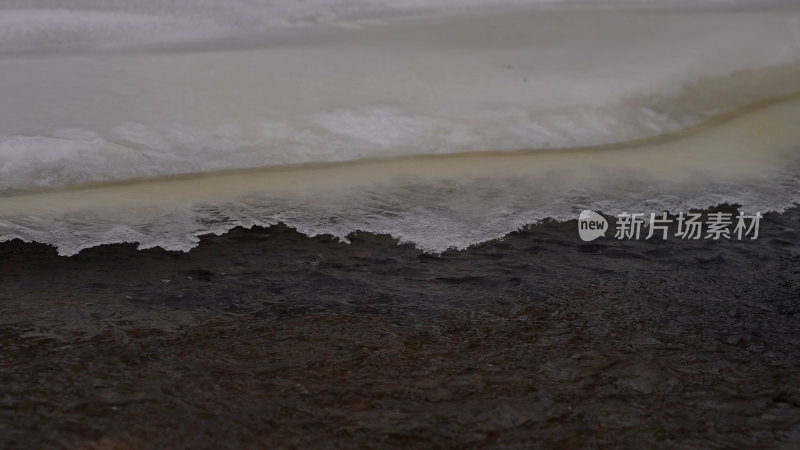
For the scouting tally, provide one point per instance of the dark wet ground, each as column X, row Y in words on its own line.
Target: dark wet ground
column 269, row 338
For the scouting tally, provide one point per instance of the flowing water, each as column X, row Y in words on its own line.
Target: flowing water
column 444, row 124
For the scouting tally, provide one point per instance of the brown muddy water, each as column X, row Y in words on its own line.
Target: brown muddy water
column 269, row 338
